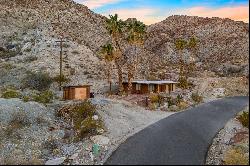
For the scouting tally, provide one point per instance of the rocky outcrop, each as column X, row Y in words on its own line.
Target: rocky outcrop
column 223, row 44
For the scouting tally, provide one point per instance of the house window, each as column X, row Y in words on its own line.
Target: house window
column 138, row 86
column 151, row 88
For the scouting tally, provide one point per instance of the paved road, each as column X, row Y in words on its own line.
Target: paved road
column 183, row 138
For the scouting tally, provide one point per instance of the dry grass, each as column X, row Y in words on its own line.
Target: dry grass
column 235, row 156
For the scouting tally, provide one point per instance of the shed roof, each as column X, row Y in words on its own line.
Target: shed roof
column 154, row 82
column 77, row 86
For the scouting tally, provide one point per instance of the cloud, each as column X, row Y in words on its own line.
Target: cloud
column 154, row 15
column 238, row 13
column 147, row 15
column 93, row 4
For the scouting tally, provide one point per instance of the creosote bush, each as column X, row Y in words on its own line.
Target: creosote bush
column 183, row 83
column 235, row 156
column 39, row 81
column 62, row 79
column 43, row 97
column 82, row 116
column 244, row 119
column 197, row 98
column 10, row 93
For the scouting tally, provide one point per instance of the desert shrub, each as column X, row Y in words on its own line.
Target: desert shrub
column 154, row 98
column 26, row 98
column 18, row 121
column 10, row 93
column 43, row 97
column 170, row 101
column 75, row 52
column 82, row 116
column 235, row 156
column 179, row 98
column 244, row 119
column 197, row 98
column 62, row 79
column 7, row 66
column 183, row 83
column 183, row 105
column 30, row 59
column 38, row 81
column 9, row 53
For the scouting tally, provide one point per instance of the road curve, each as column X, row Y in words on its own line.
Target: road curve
column 182, row 138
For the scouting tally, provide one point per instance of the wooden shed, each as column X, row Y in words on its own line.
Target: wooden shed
column 144, row 86
column 76, row 92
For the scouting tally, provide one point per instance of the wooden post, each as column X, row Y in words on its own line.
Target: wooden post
column 58, row 23
column 61, row 58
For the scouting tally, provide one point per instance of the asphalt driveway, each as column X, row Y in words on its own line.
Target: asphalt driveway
column 182, row 138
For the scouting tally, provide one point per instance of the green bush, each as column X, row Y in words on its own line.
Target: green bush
column 39, row 81
column 170, row 101
column 10, row 93
column 43, row 97
column 62, row 79
column 244, row 119
column 183, row 83
column 179, row 98
column 30, row 59
column 235, row 156
column 82, row 117
column 197, row 98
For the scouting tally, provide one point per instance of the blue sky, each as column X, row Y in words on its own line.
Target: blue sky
column 152, row 11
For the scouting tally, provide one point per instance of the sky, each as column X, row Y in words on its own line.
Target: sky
column 152, row 11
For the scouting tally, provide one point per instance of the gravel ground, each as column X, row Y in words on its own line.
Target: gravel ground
column 224, row 141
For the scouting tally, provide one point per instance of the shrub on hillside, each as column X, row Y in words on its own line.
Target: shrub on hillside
column 10, row 93
column 30, row 59
column 62, row 79
column 197, row 98
column 235, row 156
column 183, row 83
column 43, row 97
column 82, row 117
column 244, row 119
column 38, row 81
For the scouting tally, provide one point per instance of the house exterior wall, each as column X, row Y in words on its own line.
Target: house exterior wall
column 166, row 88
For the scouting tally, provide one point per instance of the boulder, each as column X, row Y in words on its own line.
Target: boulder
column 100, row 140
column 56, row 161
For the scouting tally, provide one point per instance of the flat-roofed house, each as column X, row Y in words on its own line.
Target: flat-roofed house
column 76, row 92
column 144, row 86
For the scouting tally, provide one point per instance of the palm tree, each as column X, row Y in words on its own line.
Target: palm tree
column 114, row 27
column 107, row 52
column 180, row 45
column 192, row 46
column 136, row 34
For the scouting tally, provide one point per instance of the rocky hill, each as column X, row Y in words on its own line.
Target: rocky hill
column 30, row 29
column 223, row 44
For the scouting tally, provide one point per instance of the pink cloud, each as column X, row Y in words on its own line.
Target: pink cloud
column 147, row 15
column 238, row 13
column 92, row 4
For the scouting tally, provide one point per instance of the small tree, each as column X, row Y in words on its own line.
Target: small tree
column 114, row 27
column 107, row 52
column 136, row 34
column 180, row 45
column 192, row 47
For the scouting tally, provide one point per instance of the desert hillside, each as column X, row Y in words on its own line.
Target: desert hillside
column 30, row 29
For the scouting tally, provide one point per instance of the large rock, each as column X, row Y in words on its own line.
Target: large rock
column 56, row 161
column 100, row 140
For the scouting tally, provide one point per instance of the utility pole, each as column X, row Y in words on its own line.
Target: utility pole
column 61, row 58
column 58, row 23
